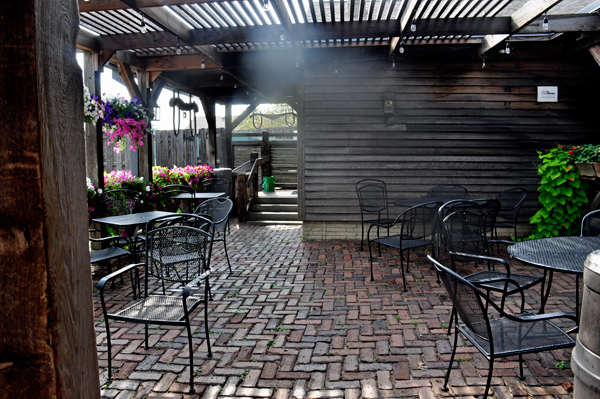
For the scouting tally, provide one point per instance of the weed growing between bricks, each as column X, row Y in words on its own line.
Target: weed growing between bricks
column 303, row 320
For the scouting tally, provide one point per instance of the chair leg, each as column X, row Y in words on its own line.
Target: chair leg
column 445, row 386
column 521, row 374
column 362, row 234
column 489, row 379
column 191, row 345
column 109, row 347
column 146, row 336
column 371, row 259
column 225, row 248
column 206, row 319
column 402, row 268
column 452, row 316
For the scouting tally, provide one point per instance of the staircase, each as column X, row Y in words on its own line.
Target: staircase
column 278, row 207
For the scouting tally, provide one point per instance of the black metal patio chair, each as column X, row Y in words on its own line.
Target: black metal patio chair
column 171, row 204
column 590, row 225
column 464, row 231
column 373, row 199
column 415, row 228
column 502, row 336
column 511, row 201
column 216, row 185
column 218, row 209
column 175, row 253
column 449, row 192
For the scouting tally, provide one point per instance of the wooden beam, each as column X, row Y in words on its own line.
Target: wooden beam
column 595, row 52
column 129, row 81
column 208, row 105
column 240, row 118
column 406, row 15
column 519, row 19
column 87, row 42
column 152, row 76
column 47, row 337
column 286, row 20
column 107, row 5
column 530, row 11
column 178, row 63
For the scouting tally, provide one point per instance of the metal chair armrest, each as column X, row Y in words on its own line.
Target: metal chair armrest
column 195, row 282
column 105, row 279
column 501, row 242
column 482, row 257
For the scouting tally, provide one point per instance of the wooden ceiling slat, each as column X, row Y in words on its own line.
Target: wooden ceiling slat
column 216, row 15
column 225, row 14
column 470, row 8
column 479, row 10
column 192, row 16
column 352, row 5
column 302, row 10
column 322, row 10
column 372, row 4
column 382, row 6
column 391, row 10
column 250, row 12
column 108, row 20
column 453, row 8
column 239, row 21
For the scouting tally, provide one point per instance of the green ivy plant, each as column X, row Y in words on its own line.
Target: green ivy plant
column 562, row 195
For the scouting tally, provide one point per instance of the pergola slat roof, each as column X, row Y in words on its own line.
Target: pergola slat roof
column 221, row 32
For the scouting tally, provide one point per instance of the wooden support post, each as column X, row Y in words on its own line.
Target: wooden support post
column 254, row 182
column 242, row 198
column 145, row 153
column 99, row 133
column 47, row 336
column 265, row 151
column 91, row 161
column 208, row 106
column 227, row 159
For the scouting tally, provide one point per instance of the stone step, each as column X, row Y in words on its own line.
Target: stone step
column 274, row 216
column 258, row 207
column 274, row 222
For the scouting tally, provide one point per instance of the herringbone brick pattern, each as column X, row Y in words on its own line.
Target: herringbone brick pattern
column 303, row 320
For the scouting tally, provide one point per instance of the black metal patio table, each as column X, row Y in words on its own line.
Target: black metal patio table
column 410, row 202
column 131, row 221
column 191, row 197
column 556, row 254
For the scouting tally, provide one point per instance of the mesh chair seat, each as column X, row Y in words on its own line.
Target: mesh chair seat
column 523, row 281
column 159, row 308
column 514, row 337
column 107, row 254
column 406, row 243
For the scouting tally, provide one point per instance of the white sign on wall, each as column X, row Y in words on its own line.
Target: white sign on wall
column 547, row 94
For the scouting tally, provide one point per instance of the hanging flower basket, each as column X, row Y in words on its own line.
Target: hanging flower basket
column 92, row 108
column 125, row 119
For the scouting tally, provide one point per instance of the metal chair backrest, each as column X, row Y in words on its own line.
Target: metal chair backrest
column 171, row 190
column 590, row 225
column 119, row 202
column 450, row 192
column 216, row 185
column 465, row 224
column 511, row 201
column 467, row 300
column 177, row 251
column 218, row 209
column 419, row 222
column 372, row 195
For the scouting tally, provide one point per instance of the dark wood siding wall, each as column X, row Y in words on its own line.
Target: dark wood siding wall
column 454, row 123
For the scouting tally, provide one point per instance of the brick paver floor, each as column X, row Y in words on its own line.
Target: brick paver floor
column 302, row 320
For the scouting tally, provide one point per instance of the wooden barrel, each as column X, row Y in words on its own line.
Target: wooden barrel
column 585, row 359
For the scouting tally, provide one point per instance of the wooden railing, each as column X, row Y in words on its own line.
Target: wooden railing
column 247, row 178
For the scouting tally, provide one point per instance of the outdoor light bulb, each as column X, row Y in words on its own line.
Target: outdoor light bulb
column 507, row 49
column 143, row 27
column 266, row 5
column 336, row 71
column 545, row 24
column 178, row 49
column 221, row 78
column 235, row 85
column 297, row 64
column 247, row 92
column 282, row 35
column 202, row 64
column 393, row 63
column 483, row 63
column 184, row 115
column 413, row 26
column 401, row 49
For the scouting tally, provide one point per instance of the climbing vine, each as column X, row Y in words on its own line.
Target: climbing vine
column 562, row 195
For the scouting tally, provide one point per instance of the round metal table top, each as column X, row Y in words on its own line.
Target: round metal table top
column 410, row 202
column 563, row 254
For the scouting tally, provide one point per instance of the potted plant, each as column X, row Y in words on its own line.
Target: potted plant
column 122, row 119
column 586, row 158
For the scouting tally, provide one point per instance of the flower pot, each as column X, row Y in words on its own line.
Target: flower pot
column 597, row 168
column 586, row 169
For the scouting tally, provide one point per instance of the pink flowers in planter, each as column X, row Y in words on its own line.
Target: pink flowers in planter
column 124, row 119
